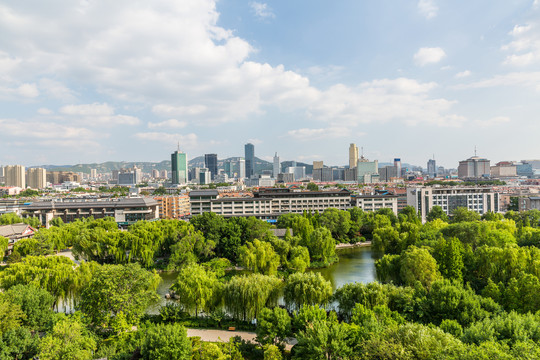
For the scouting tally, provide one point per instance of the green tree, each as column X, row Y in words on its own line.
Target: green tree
column 312, row 186
column 166, row 342
column 409, row 214
column 10, row 218
column 338, row 222
column 34, row 302
column 11, row 315
column 19, row 343
column 437, row 212
column 195, row 286
column 273, row 326
column 259, row 257
column 4, row 243
column 298, row 259
column 117, row 293
column 450, row 258
column 272, row 352
column 462, row 214
column 68, row 340
column 418, row 265
column 321, row 245
column 306, row 288
column 323, row 340
column 245, row 296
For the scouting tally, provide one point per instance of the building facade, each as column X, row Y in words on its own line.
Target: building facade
column 474, row 168
column 478, row 199
column 377, row 202
column 125, row 211
column 432, row 168
column 249, row 151
column 36, row 178
column 173, row 207
column 15, row 176
column 210, row 162
column 179, row 168
column 367, row 171
column 353, row 156
column 277, row 166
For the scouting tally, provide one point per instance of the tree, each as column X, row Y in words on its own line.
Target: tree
column 298, row 259
column 418, row 265
column 259, row 257
column 409, row 214
column 35, row 303
column 56, row 274
column 437, row 212
column 306, row 288
column 338, row 222
column 117, row 293
column 195, row 286
column 68, row 340
column 19, row 343
column 11, row 315
column 321, row 245
column 312, row 186
column 10, row 218
column 323, row 340
column 272, row 352
column 451, row 259
column 273, row 326
column 4, row 243
column 166, row 342
column 245, row 296
column 462, row 214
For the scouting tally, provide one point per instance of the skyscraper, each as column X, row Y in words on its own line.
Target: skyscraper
column 249, row 150
column 15, row 176
column 277, row 166
column 432, row 168
column 36, row 178
column 353, row 156
column 397, row 165
column 179, row 167
column 210, row 162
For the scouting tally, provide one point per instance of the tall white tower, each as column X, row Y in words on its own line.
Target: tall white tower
column 276, row 166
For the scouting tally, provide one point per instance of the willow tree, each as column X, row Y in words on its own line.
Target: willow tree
column 260, row 257
column 4, row 243
column 195, row 286
column 245, row 296
column 306, row 289
column 56, row 274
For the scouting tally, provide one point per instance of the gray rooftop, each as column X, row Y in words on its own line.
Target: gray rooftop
column 92, row 203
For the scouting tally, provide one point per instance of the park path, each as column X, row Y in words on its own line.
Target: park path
column 224, row 336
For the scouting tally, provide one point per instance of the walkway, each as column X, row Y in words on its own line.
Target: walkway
column 213, row 335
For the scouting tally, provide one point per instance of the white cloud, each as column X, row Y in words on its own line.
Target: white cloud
column 47, row 133
column 261, row 10
column 171, row 123
column 522, row 79
column 28, row 90
column 255, row 141
column 428, row 8
column 463, row 74
column 56, row 90
column 493, row 121
column 185, row 141
column 318, row 134
column 165, row 110
column 524, row 49
column 429, row 55
column 96, row 114
column 44, row 111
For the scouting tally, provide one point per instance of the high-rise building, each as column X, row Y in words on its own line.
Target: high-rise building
column 59, row 177
column 367, row 171
column 249, row 150
column 397, row 165
column 93, row 173
column 164, row 174
column 15, row 176
column 204, row 176
column 277, row 166
column 155, row 173
column 318, row 165
column 474, row 168
column 432, row 168
column 241, row 168
column 130, row 176
column 210, row 161
column 353, row 156
column 179, row 167
column 36, row 178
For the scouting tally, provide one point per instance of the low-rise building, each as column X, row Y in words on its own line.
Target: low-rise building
column 477, row 199
column 377, row 202
column 125, row 211
column 16, row 232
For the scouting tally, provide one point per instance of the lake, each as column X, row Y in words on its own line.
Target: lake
column 354, row 265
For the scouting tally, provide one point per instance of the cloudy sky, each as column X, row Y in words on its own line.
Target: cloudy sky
column 95, row 80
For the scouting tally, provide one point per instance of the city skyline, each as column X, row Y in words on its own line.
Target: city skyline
column 96, row 81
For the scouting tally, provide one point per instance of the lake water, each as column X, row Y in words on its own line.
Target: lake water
column 354, row 265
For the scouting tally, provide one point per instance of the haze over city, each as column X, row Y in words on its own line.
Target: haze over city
column 92, row 81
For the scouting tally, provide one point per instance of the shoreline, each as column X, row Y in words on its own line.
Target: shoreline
column 355, row 245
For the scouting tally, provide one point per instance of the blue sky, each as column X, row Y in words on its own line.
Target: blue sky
column 92, row 81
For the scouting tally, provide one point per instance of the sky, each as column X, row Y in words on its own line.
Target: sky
column 128, row 80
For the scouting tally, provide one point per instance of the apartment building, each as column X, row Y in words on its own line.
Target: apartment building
column 377, row 202
column 173, row 207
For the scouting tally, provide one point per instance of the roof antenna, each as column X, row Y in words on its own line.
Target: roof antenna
column 362, row 151
column 474, row 150
column 179, row 146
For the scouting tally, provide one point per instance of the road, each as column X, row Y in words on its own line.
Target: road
column 224, row 336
